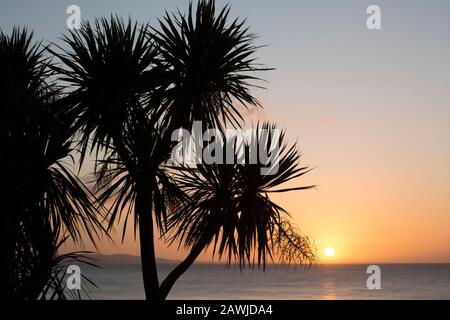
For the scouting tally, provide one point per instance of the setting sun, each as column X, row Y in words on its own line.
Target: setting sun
column 329, row 252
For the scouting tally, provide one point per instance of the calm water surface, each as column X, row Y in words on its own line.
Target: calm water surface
column 213, row 281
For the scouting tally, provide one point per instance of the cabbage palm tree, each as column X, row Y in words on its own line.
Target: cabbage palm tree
column 230, row 208
column 43, row 202
column 133, row 86
column 110, row 67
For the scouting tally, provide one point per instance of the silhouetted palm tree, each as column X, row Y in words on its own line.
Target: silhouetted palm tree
column 229, row 206
column 113, row 68
column 144, row 185
column 133, row 86
column 109, row 67
column 43, row 202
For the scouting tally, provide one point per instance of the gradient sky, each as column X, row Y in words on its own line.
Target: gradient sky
column 369, row 110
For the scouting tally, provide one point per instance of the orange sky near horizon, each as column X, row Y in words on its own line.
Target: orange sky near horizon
column 370, row 209
column 362, row 217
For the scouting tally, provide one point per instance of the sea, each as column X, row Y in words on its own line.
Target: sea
column 327, row 281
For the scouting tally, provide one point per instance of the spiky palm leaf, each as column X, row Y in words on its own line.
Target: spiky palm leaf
column 109, row 66
column 210, row 62
column 56, row 288
column 121, row 181
column 230, row 207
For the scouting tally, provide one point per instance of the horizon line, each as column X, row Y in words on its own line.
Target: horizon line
column 273, row 263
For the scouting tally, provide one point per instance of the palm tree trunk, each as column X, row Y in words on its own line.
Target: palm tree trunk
column 143, row 207
column 176, row 273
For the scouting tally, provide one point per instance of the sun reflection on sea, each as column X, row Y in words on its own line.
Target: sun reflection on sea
column 329, row 291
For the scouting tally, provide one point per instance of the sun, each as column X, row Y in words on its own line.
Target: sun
column 329, row 252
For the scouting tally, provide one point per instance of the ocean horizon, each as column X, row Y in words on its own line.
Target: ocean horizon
column 214, row 281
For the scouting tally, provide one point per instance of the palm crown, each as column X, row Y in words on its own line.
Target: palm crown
column 211, row 65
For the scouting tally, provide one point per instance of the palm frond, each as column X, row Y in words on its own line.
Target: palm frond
column 229, row 208
column 108, row 65
column 210, row 61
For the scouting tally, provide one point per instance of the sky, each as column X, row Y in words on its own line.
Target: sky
column 369, row 110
